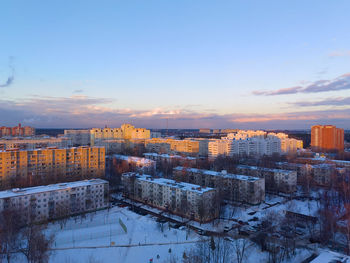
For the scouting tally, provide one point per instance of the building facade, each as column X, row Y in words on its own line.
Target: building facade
column 276, row 180
column 234, row 187
column 187, row 200
column 32, row 143
column 41, row 203
column 17, row 131
column 30, row 167
column 78, row 137
column 127, row 132
column 327, row 137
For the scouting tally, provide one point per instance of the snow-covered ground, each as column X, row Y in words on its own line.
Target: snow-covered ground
column 89, row 239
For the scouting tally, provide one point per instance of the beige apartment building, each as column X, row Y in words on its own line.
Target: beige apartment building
column 184, row 199
column 127, row 132
column 234, row 187
column 186, row 146
column 275, row 179
column 28, row 167
column 41, row 203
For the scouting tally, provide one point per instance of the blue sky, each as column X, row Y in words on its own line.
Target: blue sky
column 224, row 64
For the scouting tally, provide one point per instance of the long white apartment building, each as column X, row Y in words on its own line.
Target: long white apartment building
column 31, row 143
column 234, row 187
column 248, row 146
column 276, row 180
column 42, row 203
column 184, row 199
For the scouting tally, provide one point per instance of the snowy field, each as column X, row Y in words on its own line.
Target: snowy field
column 99, row 237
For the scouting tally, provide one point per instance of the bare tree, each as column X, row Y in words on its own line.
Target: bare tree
column 35, row 245
column 9, row 232
column 240, row 248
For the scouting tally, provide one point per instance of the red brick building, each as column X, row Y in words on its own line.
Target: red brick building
column 17, row 131
column 327, row 137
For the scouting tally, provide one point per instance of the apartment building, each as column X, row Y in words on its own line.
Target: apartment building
column 171, row 159
column 184, row 199
column 127, row 132
column 327, row 137
column 32, row 143
column 78, row 137
column 17, row 131
column 160, row 145
column 275, row 179
column 240, row 188
column 248, row 146
column 322, row 174
column 41, row 203
column 46, row 165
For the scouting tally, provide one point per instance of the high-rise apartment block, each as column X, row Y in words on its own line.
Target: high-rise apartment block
column 50, row 164
column 17, row 131
column 327, row 137
column 187, row 200
column 233, row 187
column 41, row 203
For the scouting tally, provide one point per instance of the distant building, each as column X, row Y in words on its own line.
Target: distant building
column 127, row 132
column 234, row 187
column 327, row 137
column 57, row 200
column 78, row 137
column 171, row 159
column 184, row 199
column 167, row 145
column 50, row 164
column 275, row 179
column 31, row 143
column 17, row 131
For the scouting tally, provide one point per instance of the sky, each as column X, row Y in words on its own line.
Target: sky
column 191, row 64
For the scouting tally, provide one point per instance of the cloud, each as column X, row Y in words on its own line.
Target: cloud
column 78, row 91
column 11, row 78
column 83, row 112
column 340, row 83
column 343, row 53
column 341, row 101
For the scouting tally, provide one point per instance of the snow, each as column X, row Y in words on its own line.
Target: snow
column 48, row 188
column 330, row 256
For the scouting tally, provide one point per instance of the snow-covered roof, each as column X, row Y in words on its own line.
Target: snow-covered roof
column 330, row 257
column 164, row 155
column 48, row 188
column 133, row 159
column 264, row 169
column 173, row 184
column 221, row 174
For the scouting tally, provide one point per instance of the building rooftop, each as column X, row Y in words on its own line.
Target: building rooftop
column 133, row 159
column 173, row 184
column 48, row 188
column 221, row 174
column 169, row 156
column 264, row 169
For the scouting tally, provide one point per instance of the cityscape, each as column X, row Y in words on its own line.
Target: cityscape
column 175, row 132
